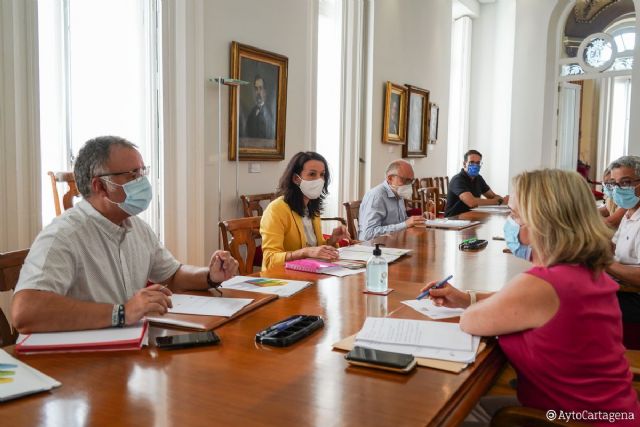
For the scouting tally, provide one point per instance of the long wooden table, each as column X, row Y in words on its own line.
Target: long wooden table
column 241, row 383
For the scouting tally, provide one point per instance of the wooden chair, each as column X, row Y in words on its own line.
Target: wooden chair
column 71, row 190
column 430, row 199
column 242, row 231
column 251, row 203
column 353, row 211
column 415, row 205
column 10, row 266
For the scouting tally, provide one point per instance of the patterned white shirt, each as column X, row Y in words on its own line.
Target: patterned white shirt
column 627, row 240
column 83, row 255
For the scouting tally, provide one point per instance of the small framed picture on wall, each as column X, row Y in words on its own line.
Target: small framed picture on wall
column 395, row 114
column 434, row 112
column 417, row 123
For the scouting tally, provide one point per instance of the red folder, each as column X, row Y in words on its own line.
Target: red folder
column 109, row 339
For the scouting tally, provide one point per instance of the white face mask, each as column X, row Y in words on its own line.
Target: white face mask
column 405, row 191
column 311, row 189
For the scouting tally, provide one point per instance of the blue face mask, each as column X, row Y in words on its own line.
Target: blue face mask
column 138, row 193
column 473, row 170
column 625, row 197
column 511, row 232
column 607, row 193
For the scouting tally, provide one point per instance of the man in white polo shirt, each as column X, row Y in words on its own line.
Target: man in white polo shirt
column 89, row 268
column 625, row 184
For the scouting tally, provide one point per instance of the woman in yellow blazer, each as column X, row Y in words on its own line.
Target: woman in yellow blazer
column 290, row 226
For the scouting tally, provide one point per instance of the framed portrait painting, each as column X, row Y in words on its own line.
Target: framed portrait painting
column 395, row 114
column 417, row 122
column 258, row 110
column 434, row 112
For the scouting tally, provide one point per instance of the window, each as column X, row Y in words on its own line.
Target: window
column 99, row 75
column 329, row 97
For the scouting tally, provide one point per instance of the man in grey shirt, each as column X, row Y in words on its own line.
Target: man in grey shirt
column 90, row 267
column 382, row 209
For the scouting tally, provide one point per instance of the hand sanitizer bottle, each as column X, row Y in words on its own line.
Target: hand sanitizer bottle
column 377, row 271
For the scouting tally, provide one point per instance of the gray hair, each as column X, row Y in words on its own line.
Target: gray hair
column 393, row 167
column 92, row 158
column 632, row 162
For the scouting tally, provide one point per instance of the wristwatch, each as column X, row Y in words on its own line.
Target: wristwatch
column 211, row 283
column 500, row 200
column 117, row 316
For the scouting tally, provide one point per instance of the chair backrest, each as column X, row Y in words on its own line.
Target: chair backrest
column 430, row 199
column 426, row 182
column 243, row 232
column 439, row 181
column 353, row 211
column 71, row 190
column 251, row 203
column 10, row 266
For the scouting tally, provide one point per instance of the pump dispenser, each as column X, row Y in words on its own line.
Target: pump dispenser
column 377, row 271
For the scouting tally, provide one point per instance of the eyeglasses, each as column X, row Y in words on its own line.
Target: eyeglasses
column 134, row 174
column 405, row 181
column 475, row 163
column 625, row 183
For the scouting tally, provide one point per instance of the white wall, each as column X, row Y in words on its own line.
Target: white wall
column 528, row 98
column 411, row 45
column 281, row 26
column 492, row 56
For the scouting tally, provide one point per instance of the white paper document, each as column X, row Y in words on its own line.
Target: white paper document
column 363, row 253
column 263, row 285
column 498, row 209
column 436, row 340
column 428, row 308
column 449, row 223
column 207, row 306
column 19, row 379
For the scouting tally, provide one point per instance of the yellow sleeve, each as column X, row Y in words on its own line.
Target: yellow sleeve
column 273, row 226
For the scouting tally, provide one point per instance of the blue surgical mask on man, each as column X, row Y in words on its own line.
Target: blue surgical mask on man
column 473, row 170
column 625, row 197
column 607, row 193
column 138, row 193
column 511, row 232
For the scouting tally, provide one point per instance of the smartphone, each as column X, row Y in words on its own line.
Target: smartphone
column 195, row 339
column 369, row 357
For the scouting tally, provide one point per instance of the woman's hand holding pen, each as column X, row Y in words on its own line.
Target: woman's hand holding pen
column 222, row 266
column 152, row 299
column 447, row 296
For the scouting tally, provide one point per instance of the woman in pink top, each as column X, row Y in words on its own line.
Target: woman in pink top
column 559, row 323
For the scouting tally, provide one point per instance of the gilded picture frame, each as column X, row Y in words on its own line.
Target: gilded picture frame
column 258, row 111
column 395, row 114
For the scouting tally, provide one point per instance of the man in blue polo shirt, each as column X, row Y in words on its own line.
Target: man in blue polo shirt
column 467, row 188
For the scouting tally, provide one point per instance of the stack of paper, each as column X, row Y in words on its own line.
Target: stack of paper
column 128, row 338
column 363, row 253
column 455, row 224
column 428, row 308
column 499, row 209
column 263, row 285
column 207, row 306
column 18, row 379
column 435, row 340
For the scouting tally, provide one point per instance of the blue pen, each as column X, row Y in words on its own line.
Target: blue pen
column 436, row 286
column 283, row 325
